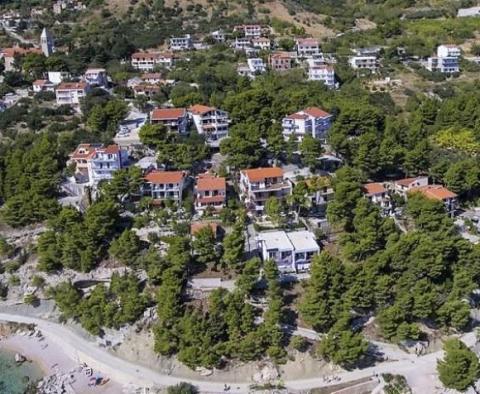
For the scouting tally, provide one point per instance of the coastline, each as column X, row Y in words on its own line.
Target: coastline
column 54, row 363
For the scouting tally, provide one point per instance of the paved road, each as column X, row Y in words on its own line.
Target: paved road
column 419, row 371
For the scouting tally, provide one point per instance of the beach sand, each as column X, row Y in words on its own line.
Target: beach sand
column 52, row 360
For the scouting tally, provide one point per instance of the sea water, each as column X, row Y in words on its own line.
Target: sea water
column 14, row 377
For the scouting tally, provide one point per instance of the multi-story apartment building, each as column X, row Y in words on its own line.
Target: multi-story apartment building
column 70, row 93
column 210, row 191
column 175, row 119
column 95, row 162
column 146, row 61
column 439, row 193
column 256, row 65
column 378, row 195
column 218, row 35
column 96, row 76
column 292, row 251
column 184, row 43
column 447, row 60
column 43, row 85
column 262, row 43
column 307, row 47
column 364, row 62
column 152, row 78
column 259, row 184
column 145, row 89
column 403, row 186
column 250, row 31
column 164, row 185
column 280, row 61
column 323, row 73
column 311, row 121
column 242, row 43
column 210, row 122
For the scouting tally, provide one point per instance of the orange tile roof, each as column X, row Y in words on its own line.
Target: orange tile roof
column 200, row 109
column 405, row 181
column 374, row 188
column 197, row 226
column 72, row 86
column 83, row 151
column 168, row 113
column 316, row 112
column 435, row 192
column 162, row 177
column 297, row 115
column 11, row 52
column 210, row 199
column 112, row 149
column 307, row 41
column 259, row 174
column 210, row 183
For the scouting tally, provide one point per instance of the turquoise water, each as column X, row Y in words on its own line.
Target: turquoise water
column 14, row 378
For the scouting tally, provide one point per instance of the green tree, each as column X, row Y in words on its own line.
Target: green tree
column 233, row 247
column 274, row 210
column 459, row 368
column 310, row 150
column 204, row 245
column 153, row 135
column 126, row 248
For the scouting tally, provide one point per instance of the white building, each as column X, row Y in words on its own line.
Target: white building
column 242, row 44
column 307, row 47
column 210, row 122
column 466, row 12
column 164, row 185
column 218, row 35
column 403, row 186
column 95, row 163
column 184, row 43
column 43, row 85
column 310, row 121
column 257, row 185
column 146, row 61
column 293, row 251
column 256, row 65
column 57, row 77
column 446, row 61
column 364, row 62
column 262, row 43
column 70, row 93
column 250, row 31
column 324, row 73
column 96, row 76
column 378, row 195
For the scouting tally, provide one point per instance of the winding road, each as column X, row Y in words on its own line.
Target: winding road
column 419, row 371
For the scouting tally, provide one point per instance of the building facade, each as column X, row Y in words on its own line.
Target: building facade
column 259, row 184
column 311, row 121
column 210, row 191
column 292, row 251
column 147, row 61
column 210, row 122
column 174, row 119
column 164, row 185
column 70, row 93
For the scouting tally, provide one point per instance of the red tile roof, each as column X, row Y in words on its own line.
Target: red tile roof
column 297, row 115
column 259, row 174
column 168, row 113
column 152, row 55
column 72, row 86
column 199, row 109
column 40, row 82
column 11, row 52
column 405, row 182
column 374, row 188
column 209, row 182
column 83, row 151
column 434, row 192
column 211, row 199
column 316, row 112
column 162, row 177
column 307, row 41
column 112, row 149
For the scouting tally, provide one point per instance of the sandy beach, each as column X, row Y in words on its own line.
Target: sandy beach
column 53, row 360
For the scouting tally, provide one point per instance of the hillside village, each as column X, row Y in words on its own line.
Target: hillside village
column 241, row 190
